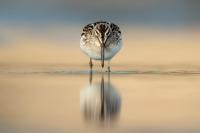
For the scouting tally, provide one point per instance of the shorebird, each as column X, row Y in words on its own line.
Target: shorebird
column 101, row 40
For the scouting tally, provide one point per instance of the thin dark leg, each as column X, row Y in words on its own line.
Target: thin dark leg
column 109, row 78
column 102, row 99
column 91, row 64
column 90, row 77
column 109, row 66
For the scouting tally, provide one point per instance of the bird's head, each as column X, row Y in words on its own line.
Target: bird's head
column 102, row 32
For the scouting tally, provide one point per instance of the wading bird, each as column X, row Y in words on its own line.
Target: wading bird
column 101, row 41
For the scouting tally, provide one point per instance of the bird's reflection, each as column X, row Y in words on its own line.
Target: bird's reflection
column 100, row 101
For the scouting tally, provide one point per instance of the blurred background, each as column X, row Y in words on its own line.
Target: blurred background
column 158, row 35
column 155, row 32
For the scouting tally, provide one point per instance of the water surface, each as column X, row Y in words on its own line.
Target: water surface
column 62, row 99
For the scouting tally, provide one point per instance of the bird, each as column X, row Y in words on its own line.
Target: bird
column 101, row 40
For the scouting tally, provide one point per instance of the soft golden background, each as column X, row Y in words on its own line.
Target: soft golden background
column 155, row 32
column 59, row 44
column 43, row 70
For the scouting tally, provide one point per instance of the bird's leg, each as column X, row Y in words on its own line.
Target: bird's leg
column 90, row 63
column 102, row 98
column 109, row 66
column 90, row 79
column 108, row 78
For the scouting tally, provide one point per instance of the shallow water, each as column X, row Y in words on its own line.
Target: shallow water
column 62, row 99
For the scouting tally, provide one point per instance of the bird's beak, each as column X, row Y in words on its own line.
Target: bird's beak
column 102, row 54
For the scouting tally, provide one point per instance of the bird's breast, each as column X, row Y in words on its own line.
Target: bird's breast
column 93, row 50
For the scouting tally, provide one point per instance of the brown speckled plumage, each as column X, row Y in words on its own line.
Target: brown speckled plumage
column 101, row 40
